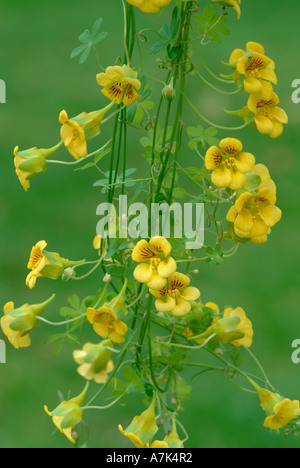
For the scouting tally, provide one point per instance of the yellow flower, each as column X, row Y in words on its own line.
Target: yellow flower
column 32, row 162
column 76, row 132
column 155, row 261
column 254, row 215
column 230, row 3
column 18, row 323
column 46, row 264
column 234, row 328
column 106, row 324
column 68, row 414
column 268, row 118
column 284, row 412
column 177, row 296
column 120, row 84
column 229, row 164
column 142, row 428
column 257, row 69
column 95, row 362
column 243, row 328
column 280, row 411
column 149, row 6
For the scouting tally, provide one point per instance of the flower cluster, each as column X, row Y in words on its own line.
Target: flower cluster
column 254, row 212
column 159, row 271
column 256, row 73
column 120, row 84
column 141, row 283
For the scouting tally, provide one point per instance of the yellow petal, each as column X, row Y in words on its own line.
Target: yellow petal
column 191, row 294
column 232, row 215
column 255, row 47
column 264, row 124
column 179, row 281
column 166, row 268
column 161, row 245
column 213, row 158
column 231, row 145
column 244, row 221
column 238, row 180
column 156, row 282
column 182, row 308
column 9, row 307
column 165, row 306
column 221, row 177
column 236, row 54
column 253, row 85
column 280, row 115
column 142, row 252
column 271, row 215
column 245, row 162
column 143, row 273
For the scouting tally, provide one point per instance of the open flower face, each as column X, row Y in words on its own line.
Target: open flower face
column 177, row 296
column 229, row 164
column 95, row 362
column 269, row 119
column 120, row 84
column 155, row 262
column 106, row 324
column 149, row 6
column 257, row 69
column 254, row 215
column 284, row 412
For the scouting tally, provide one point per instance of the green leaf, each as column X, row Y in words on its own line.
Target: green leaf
column 85, row 37
column 74, row 301
column 85, row 54
column 96, row 27
column 195, row 131
column 53, row 338
column 222, row 30
column 158, row 46
column 209, row 13
column 67, row 312
column 99, row 38
column 175, row 23
column 77, row 51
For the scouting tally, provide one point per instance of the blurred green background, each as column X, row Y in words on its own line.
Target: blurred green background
column 36, row 38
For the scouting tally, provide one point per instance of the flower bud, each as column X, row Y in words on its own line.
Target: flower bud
column 107, row 278
column 169, row 92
